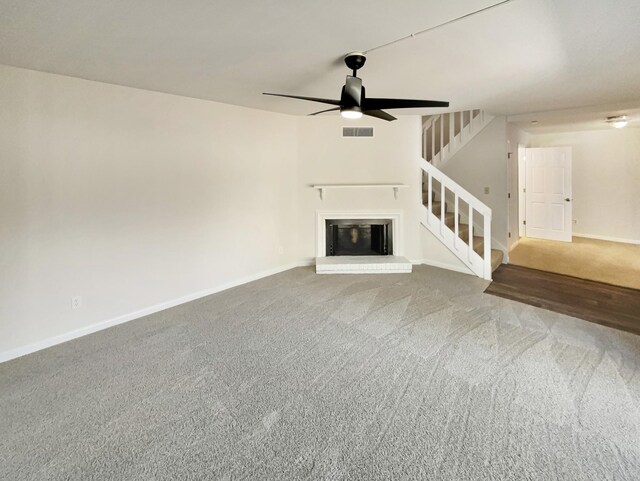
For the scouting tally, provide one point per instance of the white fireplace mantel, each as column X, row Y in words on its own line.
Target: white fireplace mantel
column 322, row 187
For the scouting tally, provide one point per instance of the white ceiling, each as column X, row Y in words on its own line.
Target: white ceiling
column 573, row 120
column 523, row 56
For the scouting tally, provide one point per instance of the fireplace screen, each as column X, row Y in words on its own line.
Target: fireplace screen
column 353, row 237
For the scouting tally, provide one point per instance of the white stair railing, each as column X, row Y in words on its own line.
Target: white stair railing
column 479, row 265
column 443, row 135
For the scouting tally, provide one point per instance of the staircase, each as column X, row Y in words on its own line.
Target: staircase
column 444, row 135
column 458, row 219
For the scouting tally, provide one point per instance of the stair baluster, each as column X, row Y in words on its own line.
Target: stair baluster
column 443, row 135
column 437, row 147
column 478, row 257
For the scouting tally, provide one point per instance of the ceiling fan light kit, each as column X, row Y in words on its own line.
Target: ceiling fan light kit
column 618, row 121
column 353, row 103
column 351, row 113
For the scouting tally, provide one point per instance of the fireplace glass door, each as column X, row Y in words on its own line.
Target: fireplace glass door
column 359, row 237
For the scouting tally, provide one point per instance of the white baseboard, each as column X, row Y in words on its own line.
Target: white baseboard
column 442, row 265
column 606, row 238
column 307, row 261
column 99, row 326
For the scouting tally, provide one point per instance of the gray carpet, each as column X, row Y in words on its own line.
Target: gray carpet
column 301, row 376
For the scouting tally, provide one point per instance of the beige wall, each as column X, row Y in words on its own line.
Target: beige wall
column 131, row 198
column 606, row 180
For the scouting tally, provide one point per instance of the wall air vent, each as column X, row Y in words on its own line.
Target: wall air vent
column 357, row 131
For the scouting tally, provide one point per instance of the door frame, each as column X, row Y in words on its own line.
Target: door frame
column 522, row 191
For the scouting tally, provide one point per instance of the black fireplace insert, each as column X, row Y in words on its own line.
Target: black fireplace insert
column 359, row 237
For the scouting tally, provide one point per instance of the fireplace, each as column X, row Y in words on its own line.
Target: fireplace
column 358, row 237
column 372, row 239
column 360, row 242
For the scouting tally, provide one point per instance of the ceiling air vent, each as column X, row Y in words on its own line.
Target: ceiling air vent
column 357, row 131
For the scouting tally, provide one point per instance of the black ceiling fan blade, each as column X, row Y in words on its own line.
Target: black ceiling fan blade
column 311, row 99
column 377, row 104
column 323, row 111
column 379, row 114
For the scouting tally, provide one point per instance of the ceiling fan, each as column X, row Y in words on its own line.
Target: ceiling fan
column 353, row 102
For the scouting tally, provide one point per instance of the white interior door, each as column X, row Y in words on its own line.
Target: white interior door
column 548, row 193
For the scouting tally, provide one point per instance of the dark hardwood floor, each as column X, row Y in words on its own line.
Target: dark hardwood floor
column 613, row 306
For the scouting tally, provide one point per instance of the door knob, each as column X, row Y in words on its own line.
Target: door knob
column 567, row 199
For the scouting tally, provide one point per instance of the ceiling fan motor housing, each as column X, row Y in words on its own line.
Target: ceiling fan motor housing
column 352, row 92
column 355, row 61
column 353, row 103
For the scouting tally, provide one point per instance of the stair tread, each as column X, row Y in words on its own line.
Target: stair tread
column 478, row 245
column 478, row 241
column 449, row 218
column 436, row 207
column 425, row 196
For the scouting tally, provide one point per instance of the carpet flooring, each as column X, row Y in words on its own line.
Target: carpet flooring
column 603, row 261
column 346, row 377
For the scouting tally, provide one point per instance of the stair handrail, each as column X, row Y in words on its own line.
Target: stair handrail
column 476, row 120
column 427, row 123
column 468, row 255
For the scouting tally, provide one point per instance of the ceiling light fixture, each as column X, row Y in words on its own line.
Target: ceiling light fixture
column 351, row 113
column 618, row 121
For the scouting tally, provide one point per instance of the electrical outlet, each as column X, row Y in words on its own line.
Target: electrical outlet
column 486, row 190
column 76, row 302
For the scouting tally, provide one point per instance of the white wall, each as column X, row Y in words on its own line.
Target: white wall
column 606, row 180
column 392, row 155
column 435, row 253
column 328, row 158
column 138, row 200
column 131, row 198
column 483, row 163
